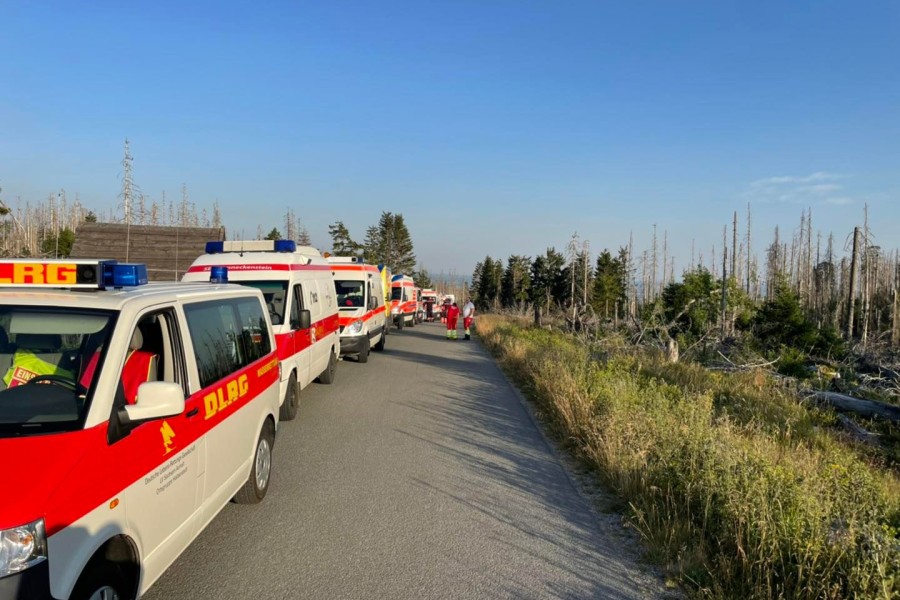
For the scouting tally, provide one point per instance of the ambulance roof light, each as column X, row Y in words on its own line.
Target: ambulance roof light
column 119, row 275
column 215, row 247
column 218, row 274
column 285, row 246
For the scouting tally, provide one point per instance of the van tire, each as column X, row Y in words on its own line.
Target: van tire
column 256, row 486
column 98, row 576
column 413, row 322
column 379, row 347
column 327, row 376
column 399, row 322
column 364, row 355
column 291, row 404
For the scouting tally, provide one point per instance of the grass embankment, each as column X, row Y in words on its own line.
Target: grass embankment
column 730, row 481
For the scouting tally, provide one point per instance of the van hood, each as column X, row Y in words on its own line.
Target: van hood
column 35, row 471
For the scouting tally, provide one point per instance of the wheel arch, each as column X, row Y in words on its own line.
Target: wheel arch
column 122, row 551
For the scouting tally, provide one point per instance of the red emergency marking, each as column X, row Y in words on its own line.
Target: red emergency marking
column 80, row 470
column 344, row 321
column 295, row 342
column 259, row 267
column 405, row 307
column 364, row 268
column 37, row 273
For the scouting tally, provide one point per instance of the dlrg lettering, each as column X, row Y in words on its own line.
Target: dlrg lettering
column 219, row 399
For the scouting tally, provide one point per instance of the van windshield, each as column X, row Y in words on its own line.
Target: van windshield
column 47, row 358
column 396, row 293
column 275, row 295
column 350, row 294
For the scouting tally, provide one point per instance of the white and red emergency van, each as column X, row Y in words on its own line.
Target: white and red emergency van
column 296, row 282
column 360, row 298
column 130, row 414
column 430, row 304
column 404, row 301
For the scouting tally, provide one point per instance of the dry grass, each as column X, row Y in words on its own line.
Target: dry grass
column 726, row 476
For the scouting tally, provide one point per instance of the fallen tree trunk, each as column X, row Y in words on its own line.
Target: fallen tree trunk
column 858, row 433
column 864, row 408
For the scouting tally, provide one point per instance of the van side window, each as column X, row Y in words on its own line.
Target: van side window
column 227, row 336
column 296, row 305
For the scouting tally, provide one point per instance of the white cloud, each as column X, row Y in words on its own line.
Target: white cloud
column 820, row 187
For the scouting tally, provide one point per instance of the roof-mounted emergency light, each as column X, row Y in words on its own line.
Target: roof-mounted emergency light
column 124, row 275
column 218, row 274
column 218, row 247
column 83, row 274
column 285, row 246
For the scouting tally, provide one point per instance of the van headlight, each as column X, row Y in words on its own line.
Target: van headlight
column 355, row 327
column 22, row 547
column 395, row 310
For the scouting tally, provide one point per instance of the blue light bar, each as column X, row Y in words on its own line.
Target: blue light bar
column 284, row 246
column 124, row 274
column 218, row 274
column 215, row 247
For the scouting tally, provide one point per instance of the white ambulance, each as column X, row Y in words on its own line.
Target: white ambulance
column 404, row 301
column 360, row 298
column 130, row 414
column 298, row 288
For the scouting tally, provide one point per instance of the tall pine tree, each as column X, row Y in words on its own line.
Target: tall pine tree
column 423, row 278
column 516, row 286
column 610, row 284
column 389, row 243
column 341, row 242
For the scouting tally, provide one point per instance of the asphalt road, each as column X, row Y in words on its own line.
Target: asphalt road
column 417, row 475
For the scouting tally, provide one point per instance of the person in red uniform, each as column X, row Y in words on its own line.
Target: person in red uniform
column 452, row 318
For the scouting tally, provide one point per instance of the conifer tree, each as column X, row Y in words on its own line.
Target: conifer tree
column 610, row 284
column 422, row 278
column 516, row 283
column 389, row 243
column 341, row 242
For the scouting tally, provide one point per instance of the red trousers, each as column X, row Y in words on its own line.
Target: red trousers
column 467, row 322
column 451, row 322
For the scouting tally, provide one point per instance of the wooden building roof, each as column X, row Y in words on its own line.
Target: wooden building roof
column 167, row 251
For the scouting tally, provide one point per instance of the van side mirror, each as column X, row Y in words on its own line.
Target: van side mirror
column 305, row 319
column 155, row 400
column 373, row 302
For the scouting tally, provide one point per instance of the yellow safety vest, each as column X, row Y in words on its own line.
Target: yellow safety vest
column 26, row 366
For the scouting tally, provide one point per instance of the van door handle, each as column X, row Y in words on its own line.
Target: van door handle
column 193, row 412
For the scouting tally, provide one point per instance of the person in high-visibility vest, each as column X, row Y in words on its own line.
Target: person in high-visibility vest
column 452, row 318
column 26, row 366
column 468, row 316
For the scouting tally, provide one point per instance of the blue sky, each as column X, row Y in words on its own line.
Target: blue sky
column 495, row 127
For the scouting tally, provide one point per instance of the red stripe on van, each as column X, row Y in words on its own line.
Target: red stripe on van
column 62, row 477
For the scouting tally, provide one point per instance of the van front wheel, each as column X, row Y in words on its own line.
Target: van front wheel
column 101, row 581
